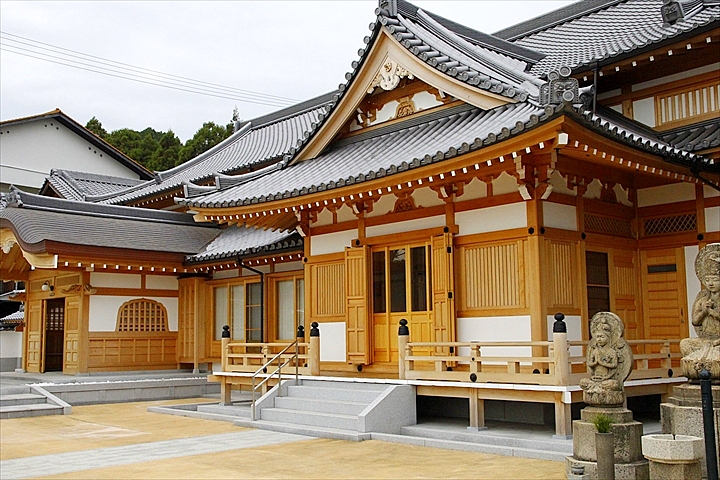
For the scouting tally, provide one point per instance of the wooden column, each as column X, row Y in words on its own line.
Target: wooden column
column 477, row 410
column 403, row 339
column 225, row 385
column 314, row 362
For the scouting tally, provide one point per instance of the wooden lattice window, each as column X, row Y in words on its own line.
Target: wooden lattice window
column 674, row 224
column 608, row 225
column 142, row 315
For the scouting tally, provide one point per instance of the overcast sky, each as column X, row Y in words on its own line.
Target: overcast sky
column 294, row 49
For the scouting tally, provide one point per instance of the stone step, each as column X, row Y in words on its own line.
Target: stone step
column 21, row 399
column 36, row 410
column 339, row 394
column 309, row 430
column 295, row 417
column 230, row 410
column 14, row 389
column 492, row 448
column 320, row 405
column 486, row 437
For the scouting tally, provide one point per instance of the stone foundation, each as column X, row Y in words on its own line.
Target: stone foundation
column 629, row 461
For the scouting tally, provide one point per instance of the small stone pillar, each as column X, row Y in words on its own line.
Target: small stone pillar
column 673, row 456
column 225, row 386
column 314, row 349
column 403, row 339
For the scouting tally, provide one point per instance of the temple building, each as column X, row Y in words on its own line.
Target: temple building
column 471, row 184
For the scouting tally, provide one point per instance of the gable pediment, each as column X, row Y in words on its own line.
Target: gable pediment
column 387, row 67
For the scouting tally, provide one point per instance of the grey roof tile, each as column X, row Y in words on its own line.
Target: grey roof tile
column 36, row 219
column 603, row 31
column 78, row 185
column 381, row 152
column 241, row 241
column 699, row 136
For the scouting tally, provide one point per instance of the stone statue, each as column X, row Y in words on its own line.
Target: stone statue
column 703, row 352
column 609, row 361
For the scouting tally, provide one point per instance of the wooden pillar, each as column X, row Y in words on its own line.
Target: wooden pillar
column 403, row 339
column 225, row 385
column 561, row 355
column 563, row 417
column 536, row 277
column 314, row 349
column 477, row 410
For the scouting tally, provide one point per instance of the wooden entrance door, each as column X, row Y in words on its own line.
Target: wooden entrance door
column 664, row 294
column 54, row 334
column 400, row 290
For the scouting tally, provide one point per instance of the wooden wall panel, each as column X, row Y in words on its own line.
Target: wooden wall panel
column 187, row 289
column 664, row 294
column 491, row 277
column 563, row 264
column 357, row 325
column 443, row 285
column 624, row 291
column 328, row 290
column 132, row 350
column 34, row 335
column 73, row 318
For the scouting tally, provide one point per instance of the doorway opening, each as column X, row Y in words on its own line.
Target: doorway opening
column 54, row 334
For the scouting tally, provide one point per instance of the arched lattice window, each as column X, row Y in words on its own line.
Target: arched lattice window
column 142, row 315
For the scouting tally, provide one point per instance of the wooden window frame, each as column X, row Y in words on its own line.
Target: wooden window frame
column 274, row 299
column 229, row 284
column 408, row 277
column 123, row 321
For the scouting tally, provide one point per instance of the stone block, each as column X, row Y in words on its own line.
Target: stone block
column 667, row 448
column 628, row 446
column 628, row 471
column 686, row 471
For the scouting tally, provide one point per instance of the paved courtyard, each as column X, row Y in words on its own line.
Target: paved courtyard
column 126, row 441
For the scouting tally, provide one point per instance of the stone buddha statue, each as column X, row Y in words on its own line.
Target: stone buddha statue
column 703, row 352
column 609, row 361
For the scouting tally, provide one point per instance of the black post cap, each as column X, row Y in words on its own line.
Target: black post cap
column 226, row 331
column 301, row 332
column 314, row 330
column 403, row 329
column 559, row 326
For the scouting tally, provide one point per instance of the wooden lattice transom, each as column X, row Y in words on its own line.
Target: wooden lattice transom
column 142, row 315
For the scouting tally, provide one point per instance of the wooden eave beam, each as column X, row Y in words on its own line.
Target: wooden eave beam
column 115, row 255
column 546, row 133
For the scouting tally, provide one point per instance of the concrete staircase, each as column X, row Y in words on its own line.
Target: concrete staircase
column 335, row 409
column 25, row 401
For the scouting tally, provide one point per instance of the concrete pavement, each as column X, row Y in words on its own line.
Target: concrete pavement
column 126, row 441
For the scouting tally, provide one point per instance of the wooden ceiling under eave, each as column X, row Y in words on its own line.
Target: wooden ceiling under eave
column 13, row 265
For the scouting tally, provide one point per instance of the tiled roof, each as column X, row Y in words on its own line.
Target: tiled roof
column 603, row 31
column 236, row 242
column 36, row 219
column 384, row 151
column 88, row 136
column 259, row 141
column 78, row 185
column 15, row 318
column 491, row 64
column 694, row 137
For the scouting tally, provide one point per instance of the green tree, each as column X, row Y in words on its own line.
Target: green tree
column 166, row 154
column 209, row 135
column 96, row 127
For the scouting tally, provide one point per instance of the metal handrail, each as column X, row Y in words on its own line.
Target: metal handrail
column 278, row 370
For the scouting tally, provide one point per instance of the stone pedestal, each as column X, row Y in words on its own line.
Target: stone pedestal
column 673, row 456
column 629, row 461
column 682, row 415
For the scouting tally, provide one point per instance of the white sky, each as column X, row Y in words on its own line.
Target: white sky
column 295, row 49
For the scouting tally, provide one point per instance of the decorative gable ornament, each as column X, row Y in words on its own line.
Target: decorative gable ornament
column 389, row 76
column 560, row 88
column 675, row 10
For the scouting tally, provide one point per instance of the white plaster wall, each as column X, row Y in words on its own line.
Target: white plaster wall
column 249, row 273
column 505, row 183
column 288, row 266
column 425, row 197
column 593, row 189
column 325, row 217
column 425, row 100
column 10, row 344
column 712, row 219
column 332, row 342
column 644, row 111
column 116, row 280
column 556, row 215
column 492, row 219
column 104, row 310
column 475, row 189
column 609, row 94
column 345, row 214
column 496, row 329
column 617, row 108
column 31, row 149
column 676, row 192
column 407, row 226
column 692, row 283
column 384, row 205
column 220, row 274
column 560, row 184
column 574, row 331
column 332, row 242
column 161, row 282
column 710, row 192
